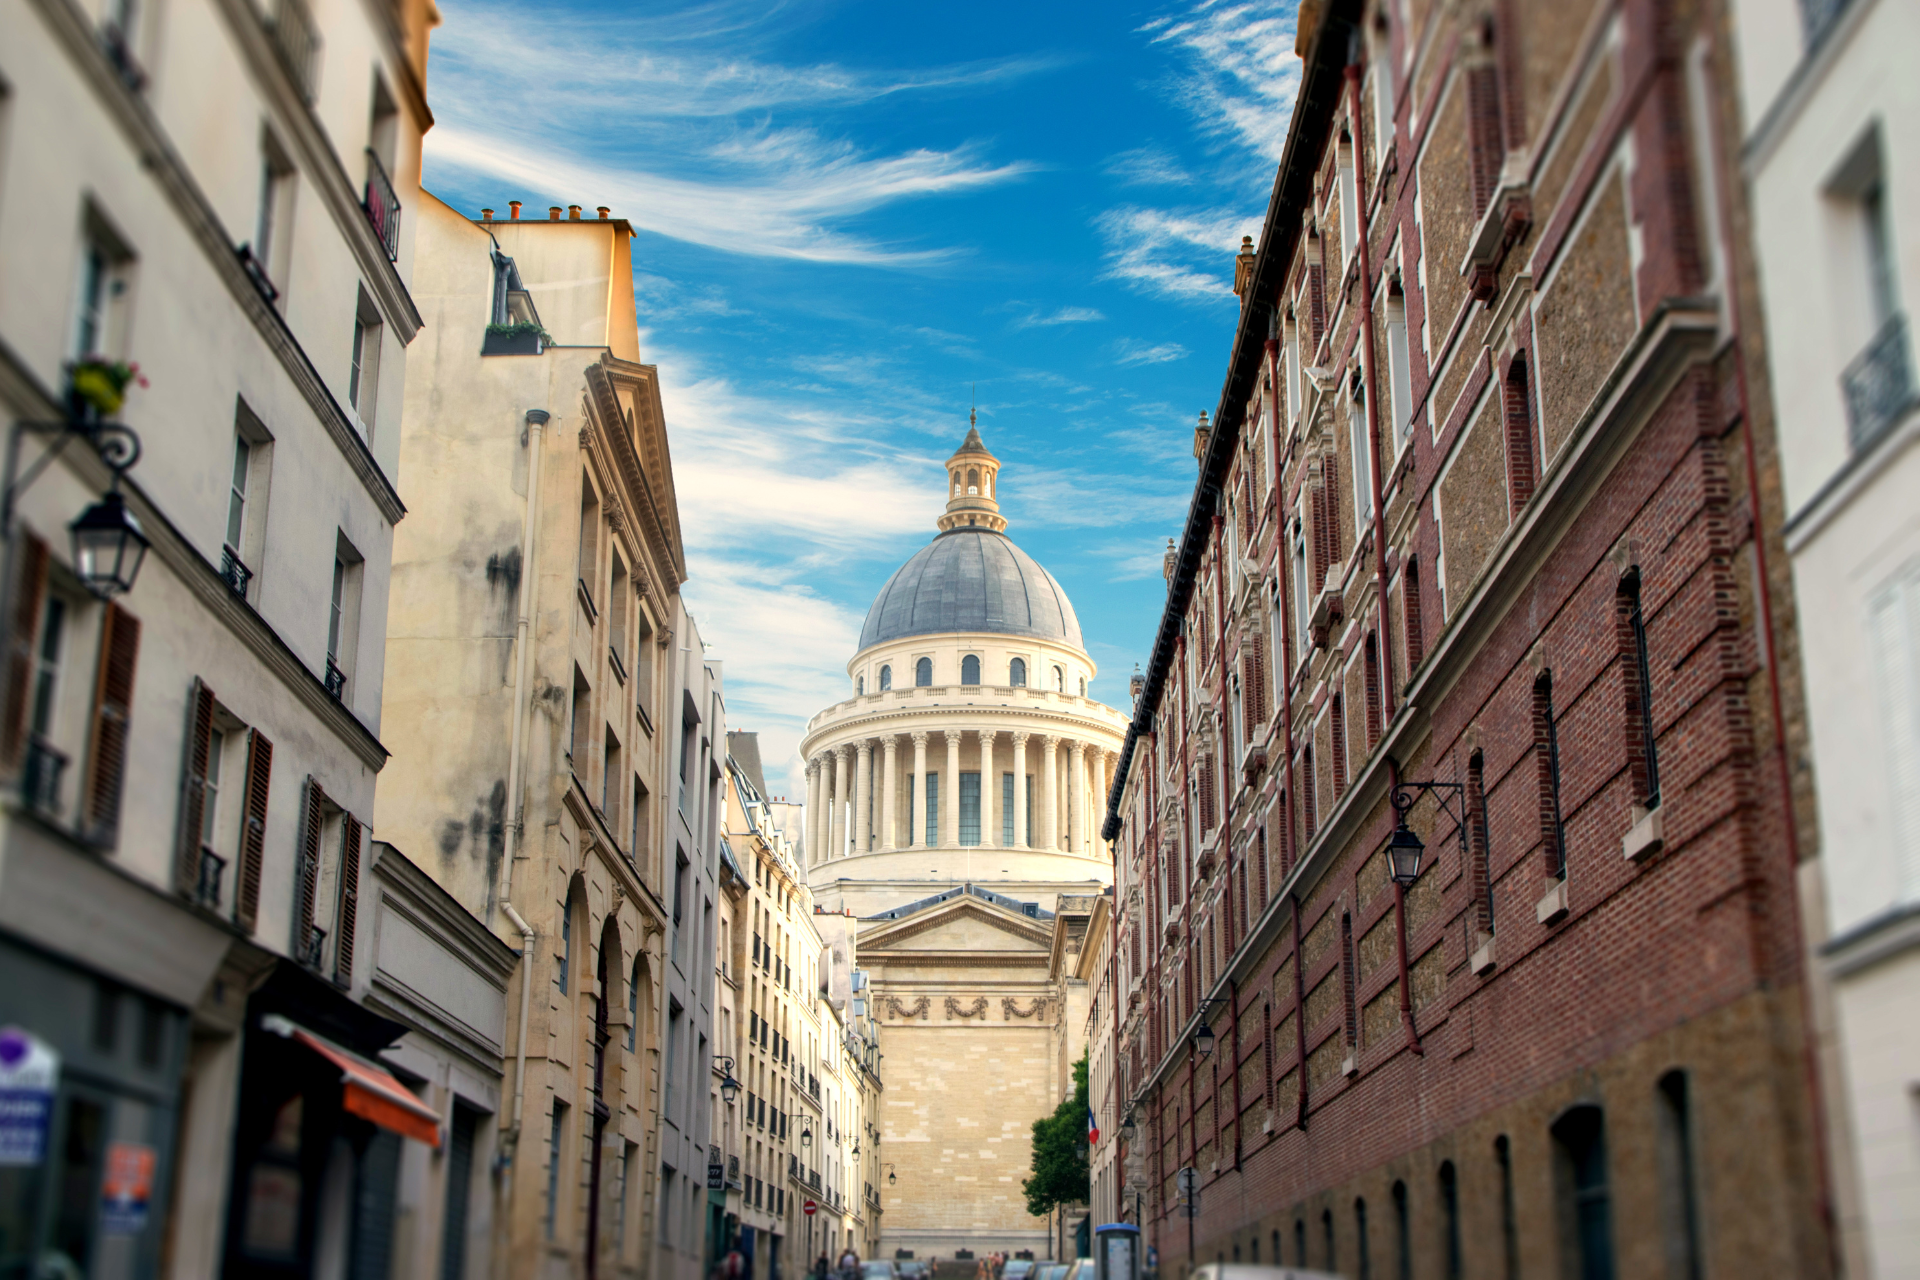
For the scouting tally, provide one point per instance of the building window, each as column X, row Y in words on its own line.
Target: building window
column 859, row 685
column 969, row 808
column 633, row 1007
column 1402, row 1235
column 1678, row 1198
column 933, row 807
column 1375, row 709
column 923, row 673
column 1644, row 762
column 100, row 301
column 343, row 617
column 1309, row 791
column 1300, row 1241
column 1485, row 147
column 1450, row 1220
column 1546, row 744
column 1481, row 883
column 1059, row 680
column 1083, row 686
column 970, row 670
column 1337, row 731
column 363, row 374
column 1302, row 610
column 1360, row 442
column 1519, row 414
column 1363, row 1250
column 1017, row 673
column 237, row 494
column 1410, row 612
column 1509, row 1218
column 1586, row 1216
column 272, row 248
column 886, row 677
column 589, row 538
column 554, row 1137
column 1399, row 367
column 1329, row 1258
column 1349, row 206
column 563, row 961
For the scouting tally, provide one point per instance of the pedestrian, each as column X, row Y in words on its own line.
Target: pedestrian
column 822, row 1266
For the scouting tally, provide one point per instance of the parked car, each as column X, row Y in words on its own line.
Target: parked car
column 879, row 1269
column 1249, row 1271
column 1051, row 1271
column 911, row 1270
column 1080, row 1269
column 1017, row 1269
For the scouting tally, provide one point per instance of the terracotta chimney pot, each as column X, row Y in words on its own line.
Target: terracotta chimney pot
column 604, row 211
column 513, row 209
column 553, row 213
column 573, row 213
column 486, row 215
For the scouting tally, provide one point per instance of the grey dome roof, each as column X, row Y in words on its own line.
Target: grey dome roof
column 971, row 580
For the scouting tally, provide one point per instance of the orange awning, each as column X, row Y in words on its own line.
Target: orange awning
column 373, row 1094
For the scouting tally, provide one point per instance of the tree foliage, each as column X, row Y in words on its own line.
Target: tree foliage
column 1060, row 1152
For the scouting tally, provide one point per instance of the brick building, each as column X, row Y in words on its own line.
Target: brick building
column 1477, row 508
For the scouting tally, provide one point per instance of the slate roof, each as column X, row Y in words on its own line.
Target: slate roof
column 971, row 580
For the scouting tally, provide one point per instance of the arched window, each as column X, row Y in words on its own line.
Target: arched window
column 923, row 673
column 886, row 677
column 1059, row 680
column 633, row 1001
column 1580, row 1151
column 970, row 670
column 1083, row 686
column 973, row 481
column 1017, row 673
column 859, row 684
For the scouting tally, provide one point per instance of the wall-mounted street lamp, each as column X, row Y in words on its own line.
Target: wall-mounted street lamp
column 729, row 1087
column 1203, row 1037
column 806, row 1136
column 892, row 1177
column 1128, row 1128
column 1404, row 848
column 109, row 545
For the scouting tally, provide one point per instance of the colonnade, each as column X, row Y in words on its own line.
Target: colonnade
column 858, row 792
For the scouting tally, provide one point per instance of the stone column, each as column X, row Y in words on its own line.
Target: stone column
column 1020, row 833
column 820, row 848
column 890, row 804
column 812, row 814
column 1049, row 791
column 1076, row 796
column 950, row 794
column 863, row 797
column 917, row 820
column 837, row 839
column 989, row 793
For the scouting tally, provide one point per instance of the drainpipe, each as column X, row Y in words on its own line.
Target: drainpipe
column 536, row 419
column 1385, row 641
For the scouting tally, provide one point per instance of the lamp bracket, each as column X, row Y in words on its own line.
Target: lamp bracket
column 1407, row 794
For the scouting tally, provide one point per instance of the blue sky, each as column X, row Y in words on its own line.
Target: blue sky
column 849, row 214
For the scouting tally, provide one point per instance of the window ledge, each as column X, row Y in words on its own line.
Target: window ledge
column 1485, row 955
column 1350, row 1065
column 1646, row 836
column 1553, row 907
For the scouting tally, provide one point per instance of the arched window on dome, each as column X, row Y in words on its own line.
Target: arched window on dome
column 923, row 673
column 973, row 480
column 886, row 677
column 1059, row 680
column 1083, row 686
column 970, row 670
column 1017, row 673
column 859, row 684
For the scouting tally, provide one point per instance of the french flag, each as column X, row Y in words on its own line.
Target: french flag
column 1093, row 1128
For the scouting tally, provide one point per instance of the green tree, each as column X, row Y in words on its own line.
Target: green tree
column 1060, row 1152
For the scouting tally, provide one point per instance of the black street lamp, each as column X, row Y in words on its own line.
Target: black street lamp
column 1403, row 854
column 729, row 1087
column 1404, row 848
column 1128, row 1128
column 892, row 1177
column 1203, row 1040
column 109, row 546
column 806, row 1136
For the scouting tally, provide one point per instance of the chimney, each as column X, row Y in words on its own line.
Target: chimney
column 573, row 213
column 513, row 209
column 486, row 215
column 604, row 211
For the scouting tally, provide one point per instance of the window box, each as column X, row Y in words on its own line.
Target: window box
column 1646, row 836
column 1484, row 955
column 513, row 340
column 1553, row 907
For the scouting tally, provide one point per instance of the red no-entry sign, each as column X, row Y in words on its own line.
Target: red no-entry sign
column 809, row 1208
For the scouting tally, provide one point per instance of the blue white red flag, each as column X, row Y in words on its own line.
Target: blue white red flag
column 1093, row 1128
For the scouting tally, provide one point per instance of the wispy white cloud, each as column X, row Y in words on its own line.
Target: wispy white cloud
column 1133, row 558
column 1241, row 74
column 1147, row 167
column 1161, row 252
column 1065, row 315
column 671, row 119
column 1133, row 351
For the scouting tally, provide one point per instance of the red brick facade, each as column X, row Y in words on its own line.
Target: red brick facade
column 1579, row 1031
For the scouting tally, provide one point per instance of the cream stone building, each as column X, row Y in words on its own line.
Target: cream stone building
column 953, row 800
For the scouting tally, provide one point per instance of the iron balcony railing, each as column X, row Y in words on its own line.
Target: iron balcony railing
column 382, row 206
column 296, row 41
column 336, row 681
column 1816, row 16
column 1878, row 384
column 235, row 571
column 212, row 866
column 316, row 949
column 40, row 779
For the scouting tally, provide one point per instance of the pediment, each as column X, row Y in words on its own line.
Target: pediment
column 965, row 924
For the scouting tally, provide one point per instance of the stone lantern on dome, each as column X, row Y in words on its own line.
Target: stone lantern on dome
column 971, row 484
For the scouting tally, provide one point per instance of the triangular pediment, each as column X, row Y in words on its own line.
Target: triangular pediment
column 964, row 924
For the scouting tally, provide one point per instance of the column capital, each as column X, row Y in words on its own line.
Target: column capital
column 1050, row 739
column 844, row 751
column 864, row 746
column 953, row 736
column 987, row 735
column 1020, row 737
column 919, row 737
column 1077, row 747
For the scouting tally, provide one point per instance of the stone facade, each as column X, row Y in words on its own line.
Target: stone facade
column 1481, row 538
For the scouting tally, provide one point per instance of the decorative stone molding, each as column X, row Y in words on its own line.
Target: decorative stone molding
column 978, row 1009
column 1010, row 1008
column 616, row 514
column 918, row 1009
column 586, row 436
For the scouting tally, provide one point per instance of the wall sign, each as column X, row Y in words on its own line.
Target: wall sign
column 29, row 1077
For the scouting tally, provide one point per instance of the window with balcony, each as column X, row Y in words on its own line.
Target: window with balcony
column 363, row 370
column 1878, row 383
column 343, row 617
column 267, row 259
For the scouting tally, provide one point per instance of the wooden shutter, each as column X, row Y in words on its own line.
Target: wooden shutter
column 350, row 904
column 193, row 788
column 253, row 839
column 307, row 889
column 29, row 596
column 112, row 712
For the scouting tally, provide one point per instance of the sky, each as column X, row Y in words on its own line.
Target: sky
column 856, row 220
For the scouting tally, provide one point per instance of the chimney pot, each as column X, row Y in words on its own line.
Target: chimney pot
column 553, row 213
column 573, row 213
column 513, row 209
column 486, row 215
column 604, row 211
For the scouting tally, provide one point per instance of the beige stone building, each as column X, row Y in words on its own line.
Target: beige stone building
column 953, row 802
column 555, row 729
